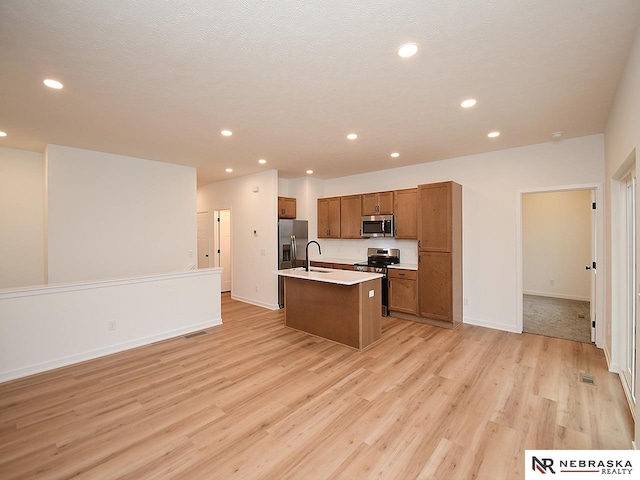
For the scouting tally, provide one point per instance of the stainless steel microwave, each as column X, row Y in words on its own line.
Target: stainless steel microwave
column 377, row 226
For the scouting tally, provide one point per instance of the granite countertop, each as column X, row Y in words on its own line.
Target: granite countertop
column 329, row 275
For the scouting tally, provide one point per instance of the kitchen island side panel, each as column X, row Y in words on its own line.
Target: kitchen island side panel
column 342, row 313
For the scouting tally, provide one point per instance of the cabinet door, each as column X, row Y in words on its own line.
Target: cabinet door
column 402, row 291
column 286, row 207
column 350, row 216
column 385, row 203
column 434, row 217
column 369, row 204
column 329, row 217
column 406, row 212
column 380, row 203
column 435, row 286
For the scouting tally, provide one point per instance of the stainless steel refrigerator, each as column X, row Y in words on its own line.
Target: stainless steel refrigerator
column 292, row 239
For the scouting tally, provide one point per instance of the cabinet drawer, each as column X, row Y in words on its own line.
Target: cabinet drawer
column 400, row 273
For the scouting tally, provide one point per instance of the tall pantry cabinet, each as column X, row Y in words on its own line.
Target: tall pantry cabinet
column 440, row 252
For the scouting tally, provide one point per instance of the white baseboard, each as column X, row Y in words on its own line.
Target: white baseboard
column 607, row 357
column 255, row 302
column 484, row 323
column 557, row 295
column 101, row 352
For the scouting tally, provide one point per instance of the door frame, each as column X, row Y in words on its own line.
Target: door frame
column 615, row 357
column 599, row 235
column 217, row 249
column 210, row 236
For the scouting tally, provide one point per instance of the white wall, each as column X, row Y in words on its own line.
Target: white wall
column 254, row 258
column 622, row 143
column 556, row 244
column 42, row 328
column 21, row 218
column 111, row 216
column 491, row 183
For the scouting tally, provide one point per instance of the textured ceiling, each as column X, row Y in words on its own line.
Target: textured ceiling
column 159, row 79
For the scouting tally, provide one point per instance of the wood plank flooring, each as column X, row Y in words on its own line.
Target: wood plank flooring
column 252, row 399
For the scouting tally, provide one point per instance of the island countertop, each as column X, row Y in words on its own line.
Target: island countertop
column 329, row 275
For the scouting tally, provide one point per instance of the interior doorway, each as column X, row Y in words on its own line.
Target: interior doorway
column 223, row 247
column 558, row 264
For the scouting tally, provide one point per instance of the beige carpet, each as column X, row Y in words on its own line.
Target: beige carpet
column 557, row 317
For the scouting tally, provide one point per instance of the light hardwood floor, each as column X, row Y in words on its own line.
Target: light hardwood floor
column 253, row 399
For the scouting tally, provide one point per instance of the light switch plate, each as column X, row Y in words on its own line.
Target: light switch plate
column 371, row 293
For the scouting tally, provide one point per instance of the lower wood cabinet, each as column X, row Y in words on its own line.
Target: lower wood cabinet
column 403, row 290
column 337, row 266
column 439, row 288
column 321, row 264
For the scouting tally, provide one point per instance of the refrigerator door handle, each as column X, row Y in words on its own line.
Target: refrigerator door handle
column 293, row 250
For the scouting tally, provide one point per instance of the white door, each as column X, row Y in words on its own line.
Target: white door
column 204, row 240
column 224, row 248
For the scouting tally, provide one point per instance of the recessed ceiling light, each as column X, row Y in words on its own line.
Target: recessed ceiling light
column 408, row 50
column 53, row 84
column 226, row 133
column 352, row 136
column 468, row 103
column 3, row 134
column 262, row 161
column 309, row 172
column 228, row 170
column 557, row 135
column 395, row 154
column 493, row 134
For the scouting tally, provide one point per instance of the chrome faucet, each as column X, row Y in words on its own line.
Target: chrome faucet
column 306, row 254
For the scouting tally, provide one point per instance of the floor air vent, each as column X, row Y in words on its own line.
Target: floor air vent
column 195, row 334
column 587, row 378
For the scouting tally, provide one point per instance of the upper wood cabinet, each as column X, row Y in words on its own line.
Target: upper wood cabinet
column 329, row 217
column 435, row 211
column 380, row 203
column 350, row 216
column 405, row 207
column 286, row 207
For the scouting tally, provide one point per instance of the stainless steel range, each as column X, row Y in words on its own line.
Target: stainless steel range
column 377, row 261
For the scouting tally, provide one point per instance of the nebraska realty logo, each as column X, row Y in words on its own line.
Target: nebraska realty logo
column 582, row 464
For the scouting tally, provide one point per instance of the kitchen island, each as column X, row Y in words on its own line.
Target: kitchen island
column 339, row 305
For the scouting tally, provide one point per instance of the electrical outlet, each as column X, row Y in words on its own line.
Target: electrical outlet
column 552, row 282
column 190, row 253
column 112, row 325
column 466, row 302
column 256, row 287
column 371, row 293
